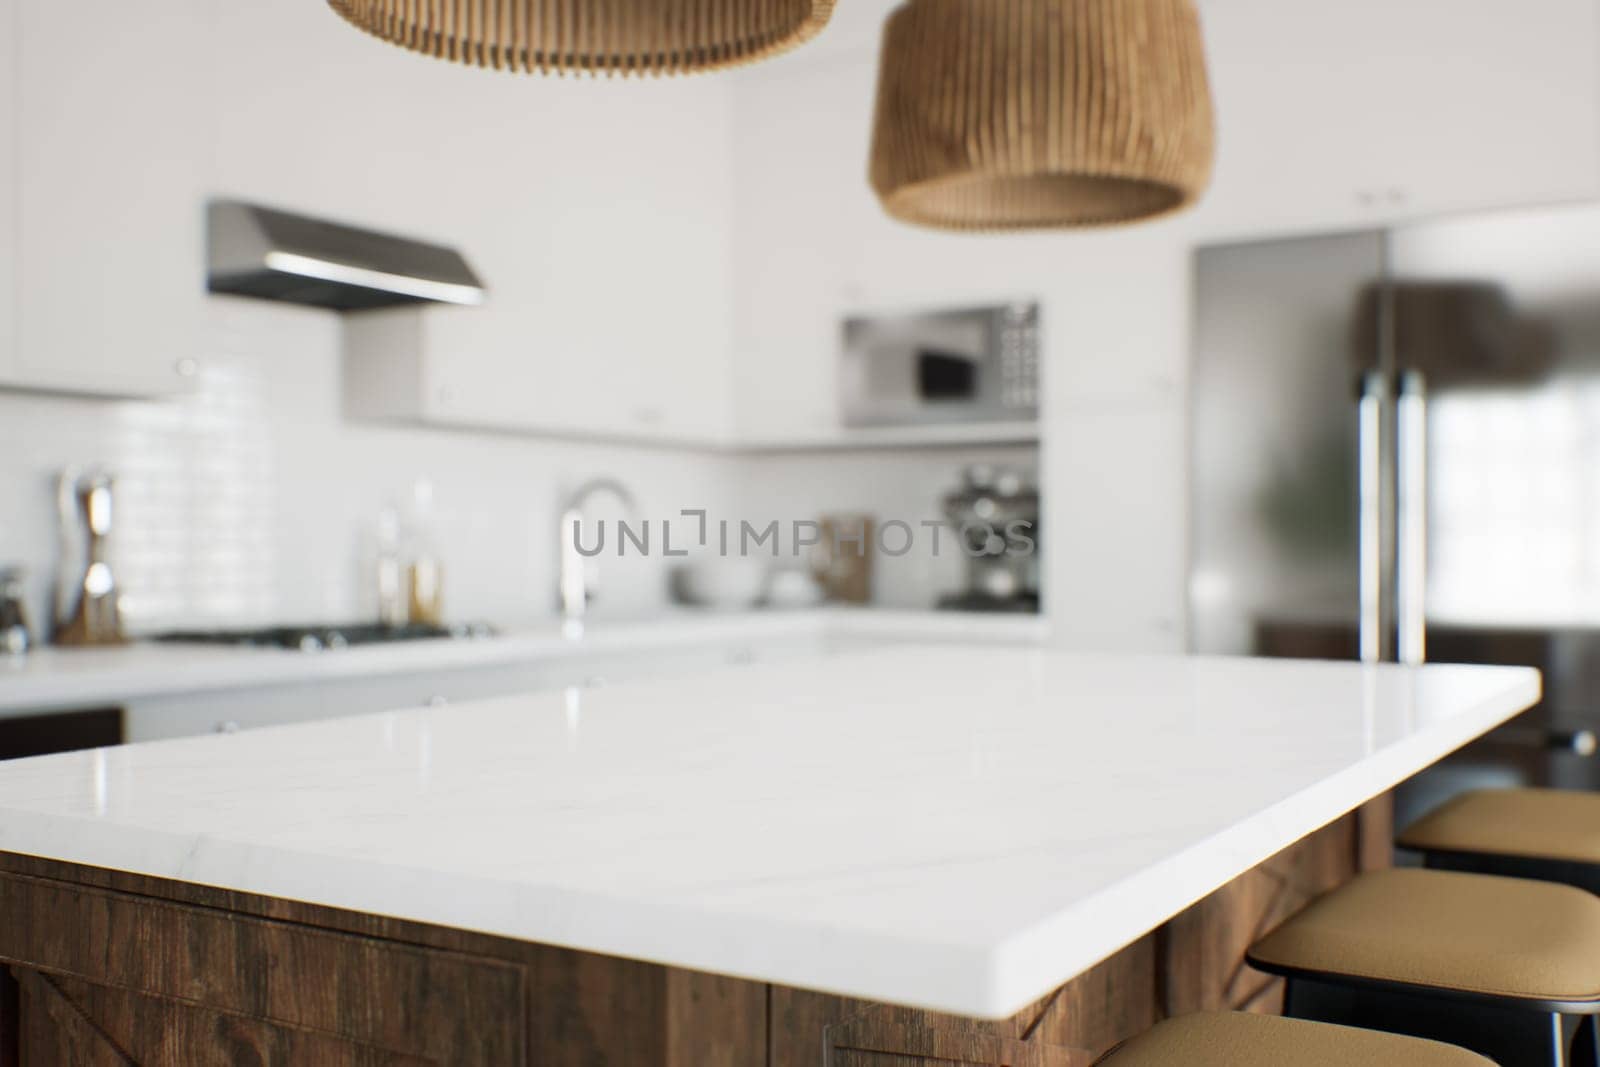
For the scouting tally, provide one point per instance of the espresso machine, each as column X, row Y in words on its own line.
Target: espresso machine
column 995, row 516
column 87, row 605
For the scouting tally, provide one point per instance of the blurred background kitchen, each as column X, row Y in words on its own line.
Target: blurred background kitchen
column 330, row 344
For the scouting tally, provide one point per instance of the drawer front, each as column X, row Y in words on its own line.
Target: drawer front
column 397, row 999
column 912, row 1047
column 876, row 1041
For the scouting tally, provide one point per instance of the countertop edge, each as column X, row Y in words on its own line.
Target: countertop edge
column 1190, row 876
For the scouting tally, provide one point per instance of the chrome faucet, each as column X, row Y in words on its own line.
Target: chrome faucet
column 576, row 588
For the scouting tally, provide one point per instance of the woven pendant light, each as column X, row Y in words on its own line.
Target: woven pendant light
column 1039, row 114
column 597, row 36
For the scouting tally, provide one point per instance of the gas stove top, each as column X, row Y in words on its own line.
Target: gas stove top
column 322, row 638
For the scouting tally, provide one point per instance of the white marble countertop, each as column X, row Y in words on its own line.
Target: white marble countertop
column 951, row 827
column 51, row 678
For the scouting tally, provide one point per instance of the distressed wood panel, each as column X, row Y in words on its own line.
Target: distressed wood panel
column 1108, row 1003
column 1204, row 947
column 884, row 1040
column 799, row 1019
column 165, row 1033
column 714, row 1021
column 418, row 1001
column 54, row 1031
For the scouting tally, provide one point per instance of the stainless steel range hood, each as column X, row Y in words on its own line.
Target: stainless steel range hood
column 275, row 255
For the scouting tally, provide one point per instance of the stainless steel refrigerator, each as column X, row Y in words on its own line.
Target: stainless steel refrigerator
column 1396, row 456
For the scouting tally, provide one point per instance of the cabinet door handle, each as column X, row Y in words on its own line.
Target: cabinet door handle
column 1411, row 550
column 1370, row 409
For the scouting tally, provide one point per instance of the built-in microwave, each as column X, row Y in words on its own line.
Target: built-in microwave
column 970, row 365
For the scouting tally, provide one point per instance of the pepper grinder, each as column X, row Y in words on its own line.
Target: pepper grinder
column 88, row 608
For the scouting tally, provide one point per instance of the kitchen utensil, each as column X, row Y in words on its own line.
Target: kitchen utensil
column 88, row 603
column 995, row 517
column 842, row 559
column 729, row 584
column 792, row 589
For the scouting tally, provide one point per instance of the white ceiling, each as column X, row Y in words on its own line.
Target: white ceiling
column 856, row 27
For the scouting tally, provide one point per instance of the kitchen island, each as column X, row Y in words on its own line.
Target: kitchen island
column 907, row 856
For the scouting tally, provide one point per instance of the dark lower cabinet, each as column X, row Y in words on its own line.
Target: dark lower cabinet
column 59, row 731
column 108, row 968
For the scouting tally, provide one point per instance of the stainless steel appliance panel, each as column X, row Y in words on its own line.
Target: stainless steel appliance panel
column 1396, row 447
column 970, row 365
column 1276, row 425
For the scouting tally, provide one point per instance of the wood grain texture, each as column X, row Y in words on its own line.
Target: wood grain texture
column 1375, row 834
column 165, row 1033
column 55, row 1031
column 713, row 1021
column 885, row 1040
column 1083, row 1019
column 151, row 971
column 1108, row 1003
column 628, row 37
column 799, row 1020
column 429, row 1003
column 1037, row 114
column 1204, row 947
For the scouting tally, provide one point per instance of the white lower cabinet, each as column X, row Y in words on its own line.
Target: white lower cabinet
column 599, row 670
column 226, row 711
column 192, row 714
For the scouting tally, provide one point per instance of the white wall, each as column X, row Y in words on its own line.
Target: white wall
column 255, row 501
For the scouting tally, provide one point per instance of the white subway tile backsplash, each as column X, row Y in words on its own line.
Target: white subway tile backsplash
column 254, row 500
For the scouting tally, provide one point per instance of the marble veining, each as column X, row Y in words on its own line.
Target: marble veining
column 950, row 827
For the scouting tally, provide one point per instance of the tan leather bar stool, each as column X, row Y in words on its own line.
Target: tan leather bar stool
column 1549, row 834
column 1223, row 1039
column 1507, row 967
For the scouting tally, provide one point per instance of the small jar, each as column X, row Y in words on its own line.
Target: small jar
column 15, row 635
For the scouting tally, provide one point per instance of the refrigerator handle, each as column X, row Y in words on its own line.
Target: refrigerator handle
column 1411, row 562
column 1370, row 411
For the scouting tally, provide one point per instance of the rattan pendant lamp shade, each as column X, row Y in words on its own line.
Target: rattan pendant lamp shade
column 1041, row 114
column 596, row 36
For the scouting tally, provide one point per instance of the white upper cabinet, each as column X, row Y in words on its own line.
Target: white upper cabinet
column 596, row 211
column 1345, row 114
column 111, row 129
column 802, row 209
column 8, row 187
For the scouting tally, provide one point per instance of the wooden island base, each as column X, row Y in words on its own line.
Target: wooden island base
column 109, row 968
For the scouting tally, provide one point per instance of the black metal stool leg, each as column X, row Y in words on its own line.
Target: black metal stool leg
column 1586, row 1043
column 1512, row 1037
